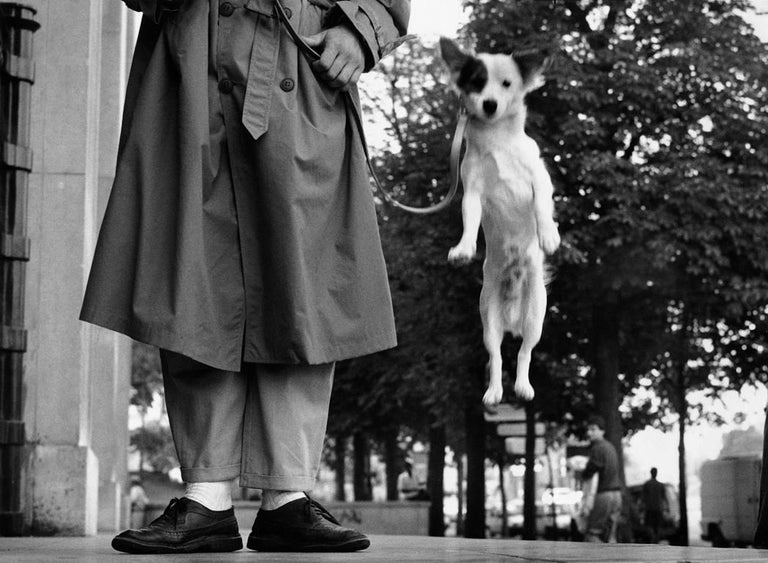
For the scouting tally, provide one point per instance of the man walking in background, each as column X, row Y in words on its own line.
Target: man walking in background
column 602, row 504
column 654, row 503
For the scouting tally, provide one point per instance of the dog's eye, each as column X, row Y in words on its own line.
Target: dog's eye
column 506, row 84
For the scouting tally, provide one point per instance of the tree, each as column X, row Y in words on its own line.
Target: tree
column 153, row 441
column 146, row 375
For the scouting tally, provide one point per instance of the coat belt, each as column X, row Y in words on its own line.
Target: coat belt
column 262, row 69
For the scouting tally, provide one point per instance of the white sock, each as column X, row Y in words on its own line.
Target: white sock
column 215, row 495
column 272, row 499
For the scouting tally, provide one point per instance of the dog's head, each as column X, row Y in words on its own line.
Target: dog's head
column 493, row 86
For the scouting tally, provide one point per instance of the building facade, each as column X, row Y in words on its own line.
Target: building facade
column 76, row 378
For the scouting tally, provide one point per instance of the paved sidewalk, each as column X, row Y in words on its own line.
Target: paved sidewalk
column 390, row 549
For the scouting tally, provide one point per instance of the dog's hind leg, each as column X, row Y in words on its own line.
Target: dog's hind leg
column 535, row 305
column 491, row 313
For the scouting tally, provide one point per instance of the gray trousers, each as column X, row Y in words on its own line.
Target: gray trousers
column 265, row 424
column 604, row 517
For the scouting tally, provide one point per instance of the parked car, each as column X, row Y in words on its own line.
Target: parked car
column 561, row 528
column 730, row 498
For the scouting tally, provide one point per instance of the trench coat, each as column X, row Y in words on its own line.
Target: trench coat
column 241, row 225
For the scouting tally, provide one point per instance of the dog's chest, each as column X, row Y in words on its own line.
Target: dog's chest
column 504, row 177
column 506, row 187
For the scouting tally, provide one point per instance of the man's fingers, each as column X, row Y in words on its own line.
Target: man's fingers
column 337, row 73
column 343, row 77
column 341, row 58
column 354, row 76
column 352, row 80
column 326, row 61
column 315, row 40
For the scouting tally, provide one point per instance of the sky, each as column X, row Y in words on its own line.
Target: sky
column 758, row 19
column 432, row 18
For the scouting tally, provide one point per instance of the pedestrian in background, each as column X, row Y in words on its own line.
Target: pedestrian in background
column 602, row 503
column 654, row 497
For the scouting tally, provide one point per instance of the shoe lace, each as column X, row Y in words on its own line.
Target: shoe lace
column 177, row 507
column 319, row 509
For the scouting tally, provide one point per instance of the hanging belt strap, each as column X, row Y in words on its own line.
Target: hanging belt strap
column 311, row 55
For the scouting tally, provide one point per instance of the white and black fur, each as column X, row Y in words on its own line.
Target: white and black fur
column 508, row 190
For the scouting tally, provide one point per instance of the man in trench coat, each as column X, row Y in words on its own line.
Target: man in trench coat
column 240, row 238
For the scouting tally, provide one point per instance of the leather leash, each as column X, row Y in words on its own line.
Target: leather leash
column 458, row 137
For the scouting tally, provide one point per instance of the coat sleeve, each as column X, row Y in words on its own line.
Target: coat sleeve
column 381, row 24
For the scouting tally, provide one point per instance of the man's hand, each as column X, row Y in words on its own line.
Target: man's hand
column 341, row 56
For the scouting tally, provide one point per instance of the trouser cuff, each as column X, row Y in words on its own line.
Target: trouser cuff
column 203, row 474
column 277, row 482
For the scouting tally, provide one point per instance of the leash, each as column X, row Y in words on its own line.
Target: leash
column 458, row 137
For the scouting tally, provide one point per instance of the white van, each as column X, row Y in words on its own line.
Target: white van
column 730, row 499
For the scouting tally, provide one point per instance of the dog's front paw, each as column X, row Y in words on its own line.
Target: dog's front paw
column 461, row 254
column 524, row 390
column 549, row 238
column 492, row 396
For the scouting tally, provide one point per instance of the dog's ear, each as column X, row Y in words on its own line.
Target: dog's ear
column 453, row 56
column 532, row 65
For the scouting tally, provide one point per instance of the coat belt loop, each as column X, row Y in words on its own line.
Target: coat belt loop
column 261, row 75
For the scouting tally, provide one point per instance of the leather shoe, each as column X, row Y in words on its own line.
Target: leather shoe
column 302, row 525
column 185, row 526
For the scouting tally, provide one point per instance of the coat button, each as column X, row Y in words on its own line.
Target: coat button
column 286, row 84
column 226, row 9
column 288, row 12
column 225, row 86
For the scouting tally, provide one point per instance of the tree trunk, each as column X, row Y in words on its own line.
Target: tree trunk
column 474, row 524
column 392, row 462
column 529, row 480
column 682, row 408
column 435, row 484
column 606, row 319
column 683, row 533
column 606, row 324
column 339, row 467
column 361, row 473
